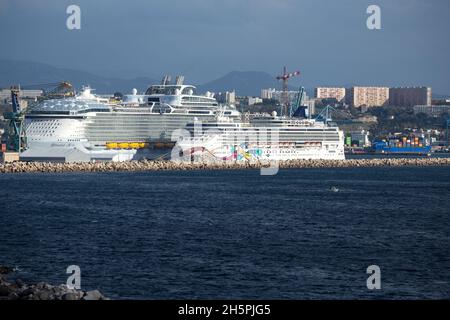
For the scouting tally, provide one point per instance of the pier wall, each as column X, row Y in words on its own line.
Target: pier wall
column 169, row 165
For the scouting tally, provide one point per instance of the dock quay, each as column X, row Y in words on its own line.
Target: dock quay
column 145, row 165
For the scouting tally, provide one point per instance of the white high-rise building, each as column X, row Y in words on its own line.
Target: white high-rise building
column 228, row 97
column 253, row 100
column 267, row 93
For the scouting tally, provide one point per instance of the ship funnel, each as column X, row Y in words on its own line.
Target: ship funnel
column 179, row 80
column 166, row 80
column 300, row 112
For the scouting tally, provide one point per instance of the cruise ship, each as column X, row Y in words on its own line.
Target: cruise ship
column 89, row 128
column 263, row 138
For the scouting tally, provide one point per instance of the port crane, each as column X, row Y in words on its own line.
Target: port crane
column 284, row 77
column 325, row 114
column 16, row 138
column 15, row 133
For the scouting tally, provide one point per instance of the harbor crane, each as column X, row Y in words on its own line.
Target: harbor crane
column 15, row 135
column 325, row 114
column 284, row 77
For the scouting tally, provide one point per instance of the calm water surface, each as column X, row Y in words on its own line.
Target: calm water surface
column 233, row 234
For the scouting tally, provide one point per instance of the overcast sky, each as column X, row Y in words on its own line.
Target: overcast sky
column 327, row 40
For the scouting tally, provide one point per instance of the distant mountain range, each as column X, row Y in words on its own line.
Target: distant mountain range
column 34, row 73
column 246, row 83
column 30, row 73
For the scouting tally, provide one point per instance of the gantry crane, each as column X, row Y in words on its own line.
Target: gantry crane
column 325, row 114
column 15, row 135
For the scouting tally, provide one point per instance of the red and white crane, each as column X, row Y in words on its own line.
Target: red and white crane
column 285, row 96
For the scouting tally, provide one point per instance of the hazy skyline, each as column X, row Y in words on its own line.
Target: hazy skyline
column 326, row 40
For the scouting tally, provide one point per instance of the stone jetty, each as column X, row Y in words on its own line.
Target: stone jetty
column 19, row 290
column 145, row 165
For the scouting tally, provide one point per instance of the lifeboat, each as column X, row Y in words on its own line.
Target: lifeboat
column 134, row 145
column 123, row 145
column 111, row 145
column 126, row 145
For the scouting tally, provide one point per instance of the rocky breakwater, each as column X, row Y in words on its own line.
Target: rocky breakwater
column 217, row 165
column 19, row 290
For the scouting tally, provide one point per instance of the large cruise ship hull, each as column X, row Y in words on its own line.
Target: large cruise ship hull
column 202, row 153
column 84, row 138
column 251, row 145
column 89, row 128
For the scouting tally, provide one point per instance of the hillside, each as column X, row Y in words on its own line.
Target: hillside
column 246, row 83
column 35, row 73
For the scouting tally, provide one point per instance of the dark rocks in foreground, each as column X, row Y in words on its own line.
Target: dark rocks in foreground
column 5, row 270
column 217, row 165
column 19, row 290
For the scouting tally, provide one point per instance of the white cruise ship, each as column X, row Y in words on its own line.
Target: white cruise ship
column 88, row 128
column 266, row 137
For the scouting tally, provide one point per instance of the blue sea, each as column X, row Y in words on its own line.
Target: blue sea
column 301, row 234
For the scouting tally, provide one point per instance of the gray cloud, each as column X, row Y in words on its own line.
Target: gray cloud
column 204, row 39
